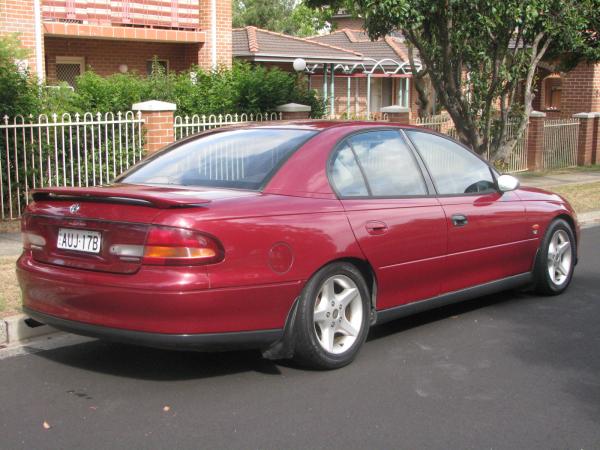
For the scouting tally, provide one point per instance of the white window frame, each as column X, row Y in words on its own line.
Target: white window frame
column 72, row 60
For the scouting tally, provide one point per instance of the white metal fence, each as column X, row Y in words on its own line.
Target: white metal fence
column 186, row 126
column 70, row 150
column 561, row 138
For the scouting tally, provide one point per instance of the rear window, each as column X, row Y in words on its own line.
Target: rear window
column 243, row 159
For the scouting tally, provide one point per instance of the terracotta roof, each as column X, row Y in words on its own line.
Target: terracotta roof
column 390, row 47
column 258, row 44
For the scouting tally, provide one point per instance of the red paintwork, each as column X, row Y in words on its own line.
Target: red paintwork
column 275, row 240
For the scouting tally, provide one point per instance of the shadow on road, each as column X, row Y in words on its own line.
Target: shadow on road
column 158, row 365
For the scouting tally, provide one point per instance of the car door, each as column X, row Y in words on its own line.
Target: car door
column 398, row 223
column 488, row 234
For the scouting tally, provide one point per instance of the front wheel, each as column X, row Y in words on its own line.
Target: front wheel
column 556, row 259
column 333, row 317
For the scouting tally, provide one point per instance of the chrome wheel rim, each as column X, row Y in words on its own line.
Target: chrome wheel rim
column 338, row 314
column 560, row 257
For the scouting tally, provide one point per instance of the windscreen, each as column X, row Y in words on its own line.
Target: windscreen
column 243, row 159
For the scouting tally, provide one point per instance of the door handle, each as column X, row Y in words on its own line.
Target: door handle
column 459, row 220
column 376, row 227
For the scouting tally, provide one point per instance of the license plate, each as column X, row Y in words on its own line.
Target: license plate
column 79, row 240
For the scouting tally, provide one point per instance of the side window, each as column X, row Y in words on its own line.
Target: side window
column 453, row 168
column 346, row 175
column 388, row 164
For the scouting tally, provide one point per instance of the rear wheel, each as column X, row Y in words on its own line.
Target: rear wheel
column 556, row 260
column 333, row 317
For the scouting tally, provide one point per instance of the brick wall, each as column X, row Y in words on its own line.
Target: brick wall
column 581, row 90
column 105, row 56
column 223, row 37
column 17, row 16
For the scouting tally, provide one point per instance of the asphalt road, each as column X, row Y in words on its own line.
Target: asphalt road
column 510, row 371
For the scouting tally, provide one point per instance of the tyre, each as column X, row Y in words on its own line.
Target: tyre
column 332, row 320
column 556, row 259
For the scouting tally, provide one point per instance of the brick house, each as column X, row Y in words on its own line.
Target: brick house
column 65, row 37
column 355, row 76
column 365, row 89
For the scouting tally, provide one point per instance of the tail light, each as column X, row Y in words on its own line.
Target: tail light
column 32, row 237
column 180, row 247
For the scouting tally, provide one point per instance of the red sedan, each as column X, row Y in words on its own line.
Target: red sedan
column 293, row 238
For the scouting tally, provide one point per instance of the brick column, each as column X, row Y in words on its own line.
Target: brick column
column 535, row 140
column 397, row 114
column 158, row 123
column 216, row 25
column 585, row 144
column 596, row 140
column 294, row 111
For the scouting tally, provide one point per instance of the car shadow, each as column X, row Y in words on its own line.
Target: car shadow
column 155, row 364
column 444, row 312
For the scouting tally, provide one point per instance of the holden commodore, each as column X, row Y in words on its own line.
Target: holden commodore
column 293, row 238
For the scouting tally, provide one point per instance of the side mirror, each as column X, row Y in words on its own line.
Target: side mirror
column 508, row 183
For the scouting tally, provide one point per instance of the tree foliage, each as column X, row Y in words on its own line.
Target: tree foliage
column 18, row 90
column 284, row 16
column 482, row 55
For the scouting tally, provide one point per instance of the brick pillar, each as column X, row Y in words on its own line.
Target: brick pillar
column 294, row 111
column 222, row 39
column 397, row 114
column 585, row 146
column 158, row 123
column 596, row 140
column 535, row 140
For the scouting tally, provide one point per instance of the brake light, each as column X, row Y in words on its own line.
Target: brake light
column 178, row 246
column 30, row 236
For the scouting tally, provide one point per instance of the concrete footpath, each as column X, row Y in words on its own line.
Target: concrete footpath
column 559, row 179
column 14, row 330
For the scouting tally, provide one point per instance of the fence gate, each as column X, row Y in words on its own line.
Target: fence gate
column 560, row 143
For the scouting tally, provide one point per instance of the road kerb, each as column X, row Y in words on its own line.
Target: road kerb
column 15, row 329
column 3, row 333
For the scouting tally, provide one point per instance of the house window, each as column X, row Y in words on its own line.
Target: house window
column 164, row 63
column 552, row 86
column 68, row 68
column 403, row 97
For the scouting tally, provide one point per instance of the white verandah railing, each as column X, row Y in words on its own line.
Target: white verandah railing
column 561, row 138
column 185, row 125
column 70, row 150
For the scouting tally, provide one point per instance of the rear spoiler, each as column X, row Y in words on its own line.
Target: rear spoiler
column 157, row 197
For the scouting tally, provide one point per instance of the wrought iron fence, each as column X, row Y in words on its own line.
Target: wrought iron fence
column 560, row 143
column 185, row 125
column 70, row 150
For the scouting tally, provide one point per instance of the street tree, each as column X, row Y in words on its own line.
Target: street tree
column 285, row 16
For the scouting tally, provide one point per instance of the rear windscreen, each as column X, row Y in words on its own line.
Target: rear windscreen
column 244, row 159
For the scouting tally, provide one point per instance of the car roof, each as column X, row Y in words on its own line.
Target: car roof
column 319, row 124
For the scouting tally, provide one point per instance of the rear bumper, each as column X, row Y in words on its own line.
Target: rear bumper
column 166, row 303
column 200, row 342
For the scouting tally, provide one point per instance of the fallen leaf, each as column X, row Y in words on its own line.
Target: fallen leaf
column 46, row 425
column 167, row 409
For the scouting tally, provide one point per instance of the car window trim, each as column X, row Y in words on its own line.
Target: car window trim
column 460, row 144
column 430, row 192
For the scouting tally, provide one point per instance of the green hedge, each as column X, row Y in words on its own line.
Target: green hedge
column 243, row 88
